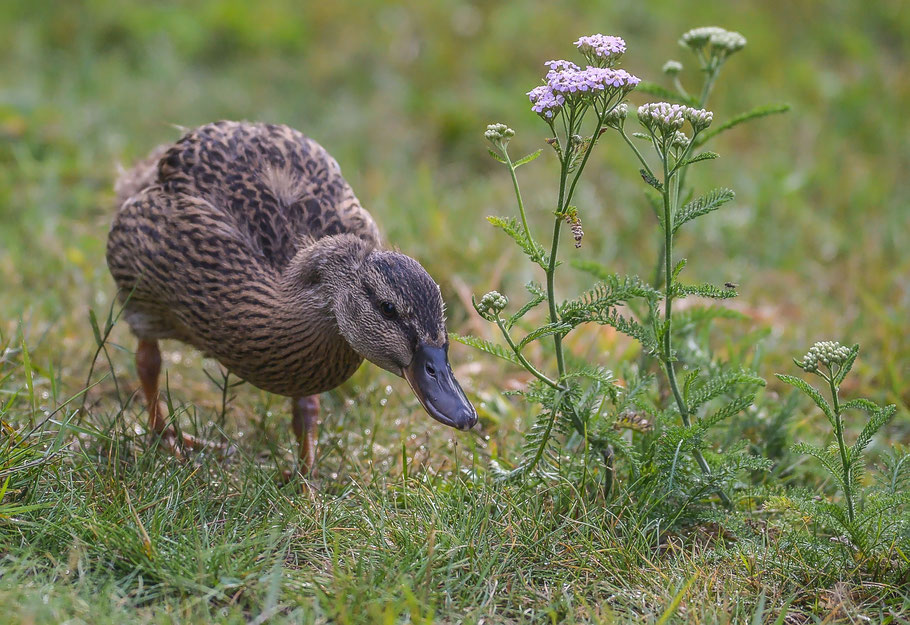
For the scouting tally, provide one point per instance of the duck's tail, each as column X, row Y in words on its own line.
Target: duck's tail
column 141, row 175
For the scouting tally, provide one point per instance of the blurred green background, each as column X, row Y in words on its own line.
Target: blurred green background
column 400, row 93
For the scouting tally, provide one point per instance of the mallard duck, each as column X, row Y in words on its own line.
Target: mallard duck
column 244, row 241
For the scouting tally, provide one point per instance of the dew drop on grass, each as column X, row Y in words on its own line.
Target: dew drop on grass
column 383, row 401
column 388, row 390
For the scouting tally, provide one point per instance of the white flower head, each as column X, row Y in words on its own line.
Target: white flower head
column 721, row 43
column 828, row 353
column 672, row 68
column 498, row 133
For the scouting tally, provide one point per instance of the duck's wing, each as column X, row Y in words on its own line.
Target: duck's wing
column 277, row 186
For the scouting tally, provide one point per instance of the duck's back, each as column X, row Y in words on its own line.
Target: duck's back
column 271, row 182
column 206, row 227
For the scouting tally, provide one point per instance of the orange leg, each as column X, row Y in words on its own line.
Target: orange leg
column 305, row 412
column 148, row 365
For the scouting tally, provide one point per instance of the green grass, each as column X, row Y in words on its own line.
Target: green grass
column 97, row 525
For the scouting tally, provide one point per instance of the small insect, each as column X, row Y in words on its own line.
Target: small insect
column 632, row 420
column 575, row 223
column 731, row 285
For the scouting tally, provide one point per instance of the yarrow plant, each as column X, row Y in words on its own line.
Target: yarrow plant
column 858, row 522
column 582, row 403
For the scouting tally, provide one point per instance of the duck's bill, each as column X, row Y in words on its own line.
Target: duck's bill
column 434, row 384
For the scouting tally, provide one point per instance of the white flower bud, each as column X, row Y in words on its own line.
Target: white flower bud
column 672, row 68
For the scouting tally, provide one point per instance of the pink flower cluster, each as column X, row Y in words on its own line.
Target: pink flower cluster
column 601, row 48
column 568, row 82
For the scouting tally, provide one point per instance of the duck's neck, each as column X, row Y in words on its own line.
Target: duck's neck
column 300, row 348
column 323, row 266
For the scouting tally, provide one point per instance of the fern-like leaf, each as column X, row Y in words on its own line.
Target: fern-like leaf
column 510, row 226
column 720, row 384
column 631, row 328
column 704, row 156
column 486, row 346
column 596, row 302
column 711, row 201
column 496, row 156
column 848, row 364
column 544, row 330
column 702, row 290
column 881, row 504
column 726, row 411
column 527, row 158
column 825, row 457
column 810, row 390
column 756, row 113
column 595, row 373
column 879, row 418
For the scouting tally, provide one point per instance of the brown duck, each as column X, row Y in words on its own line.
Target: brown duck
column 244, row 241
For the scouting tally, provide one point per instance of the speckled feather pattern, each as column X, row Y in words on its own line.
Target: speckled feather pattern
column 203, row 245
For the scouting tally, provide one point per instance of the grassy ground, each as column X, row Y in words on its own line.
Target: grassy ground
column 404, row 523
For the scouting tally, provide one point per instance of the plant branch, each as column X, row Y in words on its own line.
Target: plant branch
column 668, row 309
column 524, row 361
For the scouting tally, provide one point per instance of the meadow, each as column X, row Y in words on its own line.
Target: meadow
column 406, row 521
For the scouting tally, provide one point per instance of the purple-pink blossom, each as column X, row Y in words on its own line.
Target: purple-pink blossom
column 601, row 47
column 561, row 65
column 566, row 82
column 544, row 102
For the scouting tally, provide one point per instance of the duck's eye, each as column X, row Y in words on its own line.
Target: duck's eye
column 388, row 310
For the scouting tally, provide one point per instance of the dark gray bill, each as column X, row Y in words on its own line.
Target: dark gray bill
column 432, row 380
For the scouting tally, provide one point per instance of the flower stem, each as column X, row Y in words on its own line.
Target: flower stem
column 839, row 434
column 668, row 309
column 565, row 196
column 524, row 361
column 521, row 206
column 551, row 268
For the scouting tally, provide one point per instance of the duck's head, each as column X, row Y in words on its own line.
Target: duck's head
column 391, row 312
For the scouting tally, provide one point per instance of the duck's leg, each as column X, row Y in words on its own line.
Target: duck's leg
column 305, row 412
column 148, row 365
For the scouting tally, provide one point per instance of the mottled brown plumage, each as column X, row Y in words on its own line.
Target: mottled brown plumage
column 245, row 241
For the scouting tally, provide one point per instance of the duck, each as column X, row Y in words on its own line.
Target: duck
column 244, row 241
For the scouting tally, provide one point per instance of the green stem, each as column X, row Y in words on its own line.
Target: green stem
column 839, row 434
column 524, row 361
column 705, row 92
column 564, row 198
column 668, row 309
column 680, row 88
column 641, row 159
column 551, row 268
column 521, row 206
column 546, row 435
